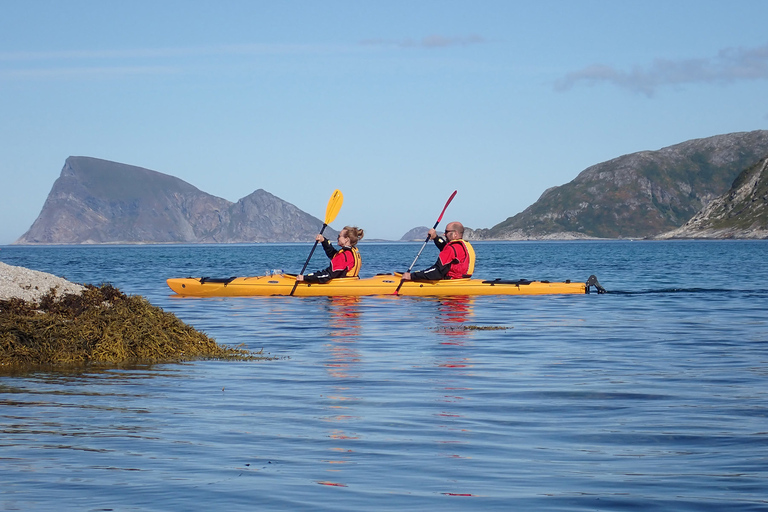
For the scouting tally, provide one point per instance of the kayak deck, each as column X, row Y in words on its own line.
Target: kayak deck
column 382, row 284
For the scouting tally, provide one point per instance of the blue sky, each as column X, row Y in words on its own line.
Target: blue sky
column 395, row 103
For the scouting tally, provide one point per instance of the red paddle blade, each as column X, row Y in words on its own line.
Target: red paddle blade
column 446, row 207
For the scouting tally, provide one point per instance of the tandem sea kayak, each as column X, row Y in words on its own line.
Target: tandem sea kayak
column 382, row 284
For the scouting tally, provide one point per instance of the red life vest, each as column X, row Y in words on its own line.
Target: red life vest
column 348, row 258
column 461, row 255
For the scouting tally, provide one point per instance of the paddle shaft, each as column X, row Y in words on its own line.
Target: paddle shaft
column 422, row 248
column 312, row 251
column 427, row 240
column 307, row 262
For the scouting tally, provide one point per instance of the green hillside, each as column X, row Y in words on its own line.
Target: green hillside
column 641, row 194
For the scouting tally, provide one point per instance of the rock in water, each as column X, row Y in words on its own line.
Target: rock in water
column 31, row 285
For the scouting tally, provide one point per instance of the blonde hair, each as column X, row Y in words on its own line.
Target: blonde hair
column 354, row 234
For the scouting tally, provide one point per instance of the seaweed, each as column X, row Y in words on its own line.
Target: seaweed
column 100, row 325
column 474, row 328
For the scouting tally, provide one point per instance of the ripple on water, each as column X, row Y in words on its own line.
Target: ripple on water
column 651, row 397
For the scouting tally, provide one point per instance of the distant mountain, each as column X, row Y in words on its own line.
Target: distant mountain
column 419, row 233
column 98, row 201
column 742, row 212
column 637, row 195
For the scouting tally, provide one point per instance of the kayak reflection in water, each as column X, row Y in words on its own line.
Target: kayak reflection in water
column 345, row 262
column 456, row 258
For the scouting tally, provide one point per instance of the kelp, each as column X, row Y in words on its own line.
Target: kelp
column 99, row 325
column 474, row 328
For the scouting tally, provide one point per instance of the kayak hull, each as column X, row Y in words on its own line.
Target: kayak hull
column 384, row 284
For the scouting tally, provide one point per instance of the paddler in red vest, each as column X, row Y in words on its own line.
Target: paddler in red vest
column 345, row 262
column 455, row 261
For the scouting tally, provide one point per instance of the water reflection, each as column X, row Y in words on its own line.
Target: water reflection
column 77, row 417
column 342, row 366
column 455, row 366
column 453, row 314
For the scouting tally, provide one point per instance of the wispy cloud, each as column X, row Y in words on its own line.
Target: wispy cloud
column 122, row 62
column 432, row 41
column 91, row 72
column 728, row 66
column 162, row 52
column 106, row 63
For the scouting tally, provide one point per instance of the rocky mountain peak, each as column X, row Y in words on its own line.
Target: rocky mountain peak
column 99, row 201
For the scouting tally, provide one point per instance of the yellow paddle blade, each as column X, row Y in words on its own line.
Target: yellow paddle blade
column 334, row 205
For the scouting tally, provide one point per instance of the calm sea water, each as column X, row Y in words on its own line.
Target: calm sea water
column 651, row 397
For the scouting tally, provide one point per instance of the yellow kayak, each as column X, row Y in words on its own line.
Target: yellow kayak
column 382, row 284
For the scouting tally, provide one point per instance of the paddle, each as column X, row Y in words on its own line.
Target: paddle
column 334, row 205
column 427, row 240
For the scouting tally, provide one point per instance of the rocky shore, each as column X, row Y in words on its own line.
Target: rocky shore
column 49, row 322
column 31, row 285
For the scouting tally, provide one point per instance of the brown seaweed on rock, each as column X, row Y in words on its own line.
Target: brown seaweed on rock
column 99, row 325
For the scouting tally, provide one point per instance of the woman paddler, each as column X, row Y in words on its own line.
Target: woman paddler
column 345, row 262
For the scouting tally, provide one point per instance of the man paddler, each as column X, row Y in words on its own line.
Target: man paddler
column 455, row 261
